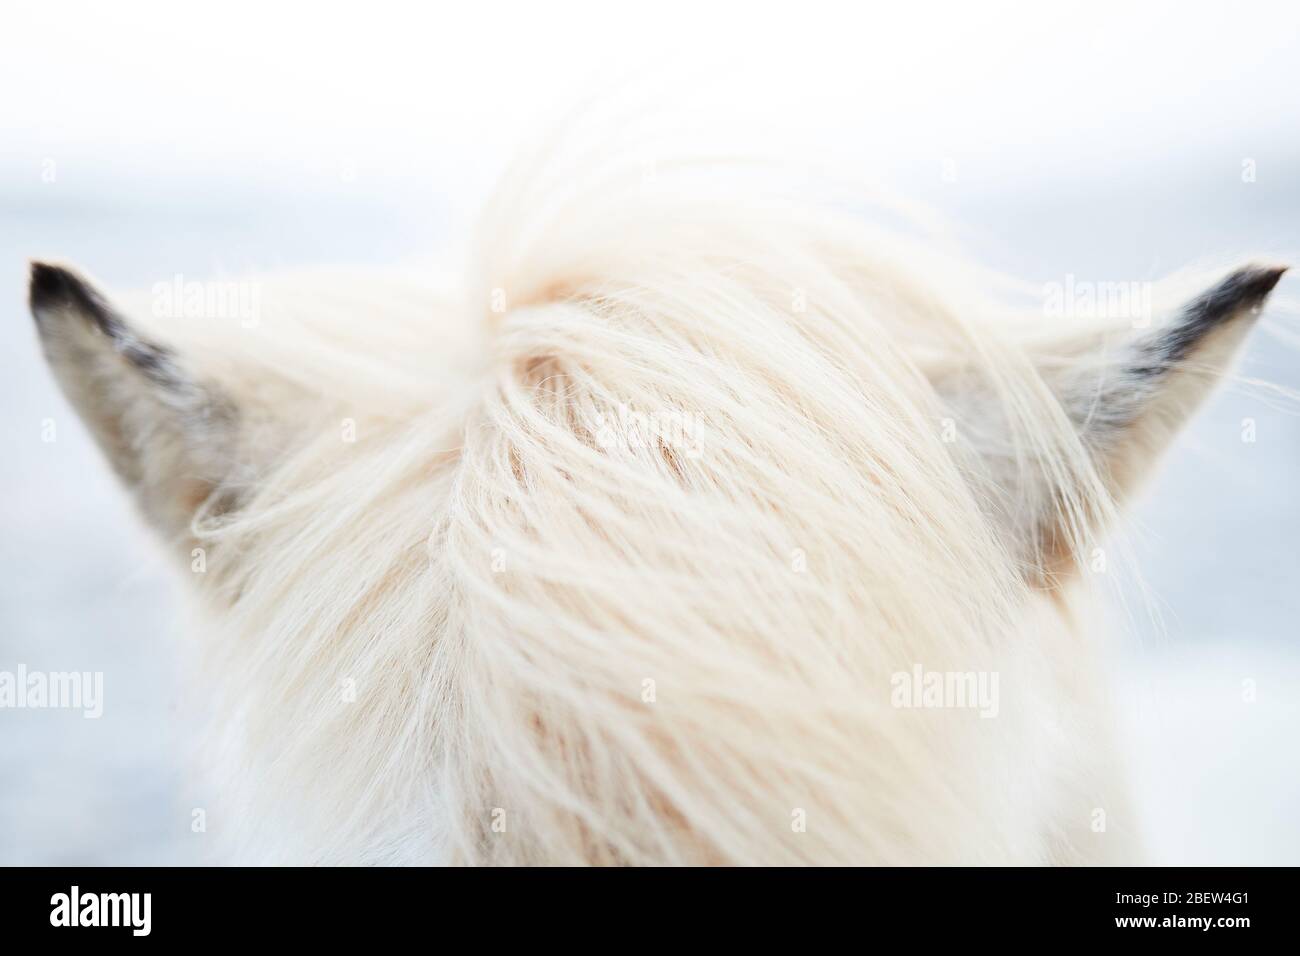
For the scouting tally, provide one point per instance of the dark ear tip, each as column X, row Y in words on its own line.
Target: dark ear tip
column 1243, row 290
column 50, row 285
column 53, row 286
column 1255, row 282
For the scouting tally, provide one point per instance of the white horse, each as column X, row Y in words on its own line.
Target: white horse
column 688, row 531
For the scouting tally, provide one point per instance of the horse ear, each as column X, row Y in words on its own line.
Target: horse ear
column 168, row 436
column 1126, row 402
column 1129, row 413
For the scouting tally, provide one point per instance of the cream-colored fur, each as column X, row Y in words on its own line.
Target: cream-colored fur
column 612, row 554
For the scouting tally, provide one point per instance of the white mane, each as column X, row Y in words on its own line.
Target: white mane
column 611, row 556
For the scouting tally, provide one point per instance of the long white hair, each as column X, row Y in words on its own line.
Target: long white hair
column 616, row 552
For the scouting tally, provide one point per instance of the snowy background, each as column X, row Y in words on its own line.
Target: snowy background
column 1095, row 140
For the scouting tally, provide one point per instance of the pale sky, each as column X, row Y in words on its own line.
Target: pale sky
column 411, row 93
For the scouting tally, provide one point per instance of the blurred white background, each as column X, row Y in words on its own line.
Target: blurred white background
column 1107, row 141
